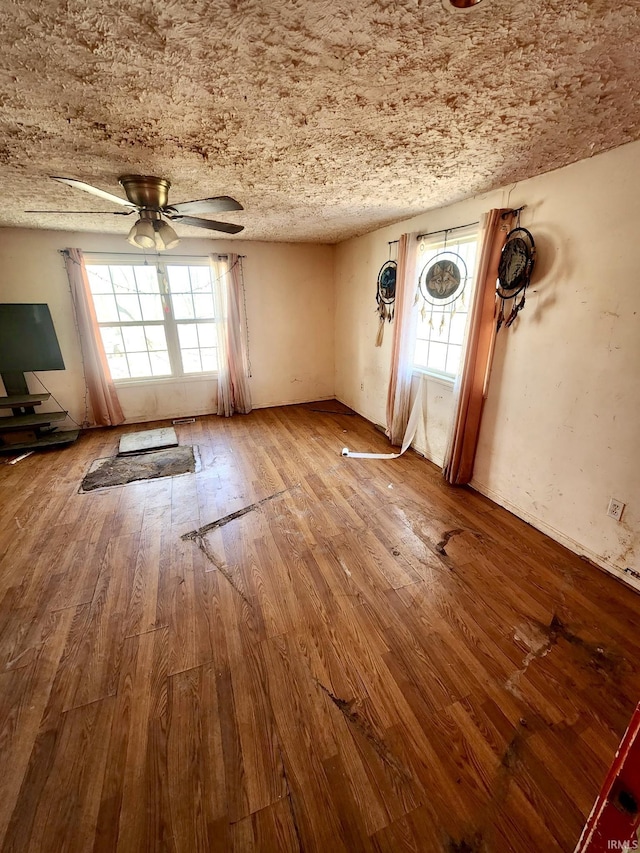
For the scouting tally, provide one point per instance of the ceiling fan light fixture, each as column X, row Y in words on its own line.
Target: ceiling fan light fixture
column 165, row 236
column 142, row 234
column 131, row 238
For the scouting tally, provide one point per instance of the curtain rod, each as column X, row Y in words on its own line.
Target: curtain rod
column 155, row 255
column 446, row 230
column 504, row 215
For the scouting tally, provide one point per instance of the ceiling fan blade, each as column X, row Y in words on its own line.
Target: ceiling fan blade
column 208, row 205
column 85, row 212
column 211, row 224
column 80, row 185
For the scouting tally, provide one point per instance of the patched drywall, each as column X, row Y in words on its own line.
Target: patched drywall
column 561, row 423
column 324, row 119
column 289, row 295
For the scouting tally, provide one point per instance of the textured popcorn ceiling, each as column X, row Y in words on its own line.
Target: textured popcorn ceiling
column 325, row 119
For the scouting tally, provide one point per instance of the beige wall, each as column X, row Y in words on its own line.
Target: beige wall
column 289, row 289
column 562, row 421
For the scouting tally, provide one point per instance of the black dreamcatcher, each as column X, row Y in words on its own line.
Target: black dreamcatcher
column 386, row 296
column 514, row 273
column 441, row 286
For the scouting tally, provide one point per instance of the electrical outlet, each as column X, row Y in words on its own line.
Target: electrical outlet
column 616, row 509
column 362, row 386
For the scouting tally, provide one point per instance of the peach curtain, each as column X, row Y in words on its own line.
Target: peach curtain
column 234, row 394
column 102, row 395
column 471, row 386
column 403, row 343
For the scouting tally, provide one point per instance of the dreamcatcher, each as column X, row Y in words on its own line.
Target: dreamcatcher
column 514, row 273
column 386, row 295
column 441, row 284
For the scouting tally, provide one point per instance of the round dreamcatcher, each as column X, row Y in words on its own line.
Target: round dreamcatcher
column 514, row 273
column 443, row 279
column 441, row 289
column 386, row 296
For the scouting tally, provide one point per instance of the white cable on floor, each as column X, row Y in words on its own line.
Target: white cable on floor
column 409, row 433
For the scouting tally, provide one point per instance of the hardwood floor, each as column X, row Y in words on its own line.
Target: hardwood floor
column 368, row 661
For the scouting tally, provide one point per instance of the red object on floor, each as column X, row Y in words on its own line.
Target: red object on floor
column 614, row 822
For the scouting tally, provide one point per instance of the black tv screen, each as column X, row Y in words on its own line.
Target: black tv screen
column 28, row 340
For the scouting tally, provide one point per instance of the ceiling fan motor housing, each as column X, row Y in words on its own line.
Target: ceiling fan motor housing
column 146, row 190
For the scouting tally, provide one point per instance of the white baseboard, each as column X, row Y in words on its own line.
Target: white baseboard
column 358, row 411
column 201, row 413
column 294, row 402
column 558, row 536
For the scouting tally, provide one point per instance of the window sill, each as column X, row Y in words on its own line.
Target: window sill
column 165, row 380
column 438, row 378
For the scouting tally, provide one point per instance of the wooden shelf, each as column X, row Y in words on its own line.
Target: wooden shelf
column 20, row 421
column 20, row 400
column 42, row 442
column 37, row 429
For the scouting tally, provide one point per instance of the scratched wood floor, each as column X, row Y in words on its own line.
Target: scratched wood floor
column 369, row 661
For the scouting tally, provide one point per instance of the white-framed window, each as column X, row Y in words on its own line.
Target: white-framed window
column 442, row 323
column 157, row 318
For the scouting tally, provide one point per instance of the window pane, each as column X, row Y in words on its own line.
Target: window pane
column 160, row 364
column 123, row 279
column 187, row 335
column 155, row 338
column 440, row 329
column 191, row 361
column 458, row 324
column 147, row 279
column 203, row 305
column 139, row 364
column 118, row 366
column 182, row 306
column 106, row 310
column 422, row 353
column 128, row 308
column 207, row 334
column 437, row 357
column 453, row 358
column 179, row 281
column 134, row 339
column 99, row 279
column 112, row 339
column 200, row 279
column 209, row 359
column 151, row 307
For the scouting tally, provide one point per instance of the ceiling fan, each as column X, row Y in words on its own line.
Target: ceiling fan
column 149, row 197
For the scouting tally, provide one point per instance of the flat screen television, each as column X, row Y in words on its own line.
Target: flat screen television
column 28, row 339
